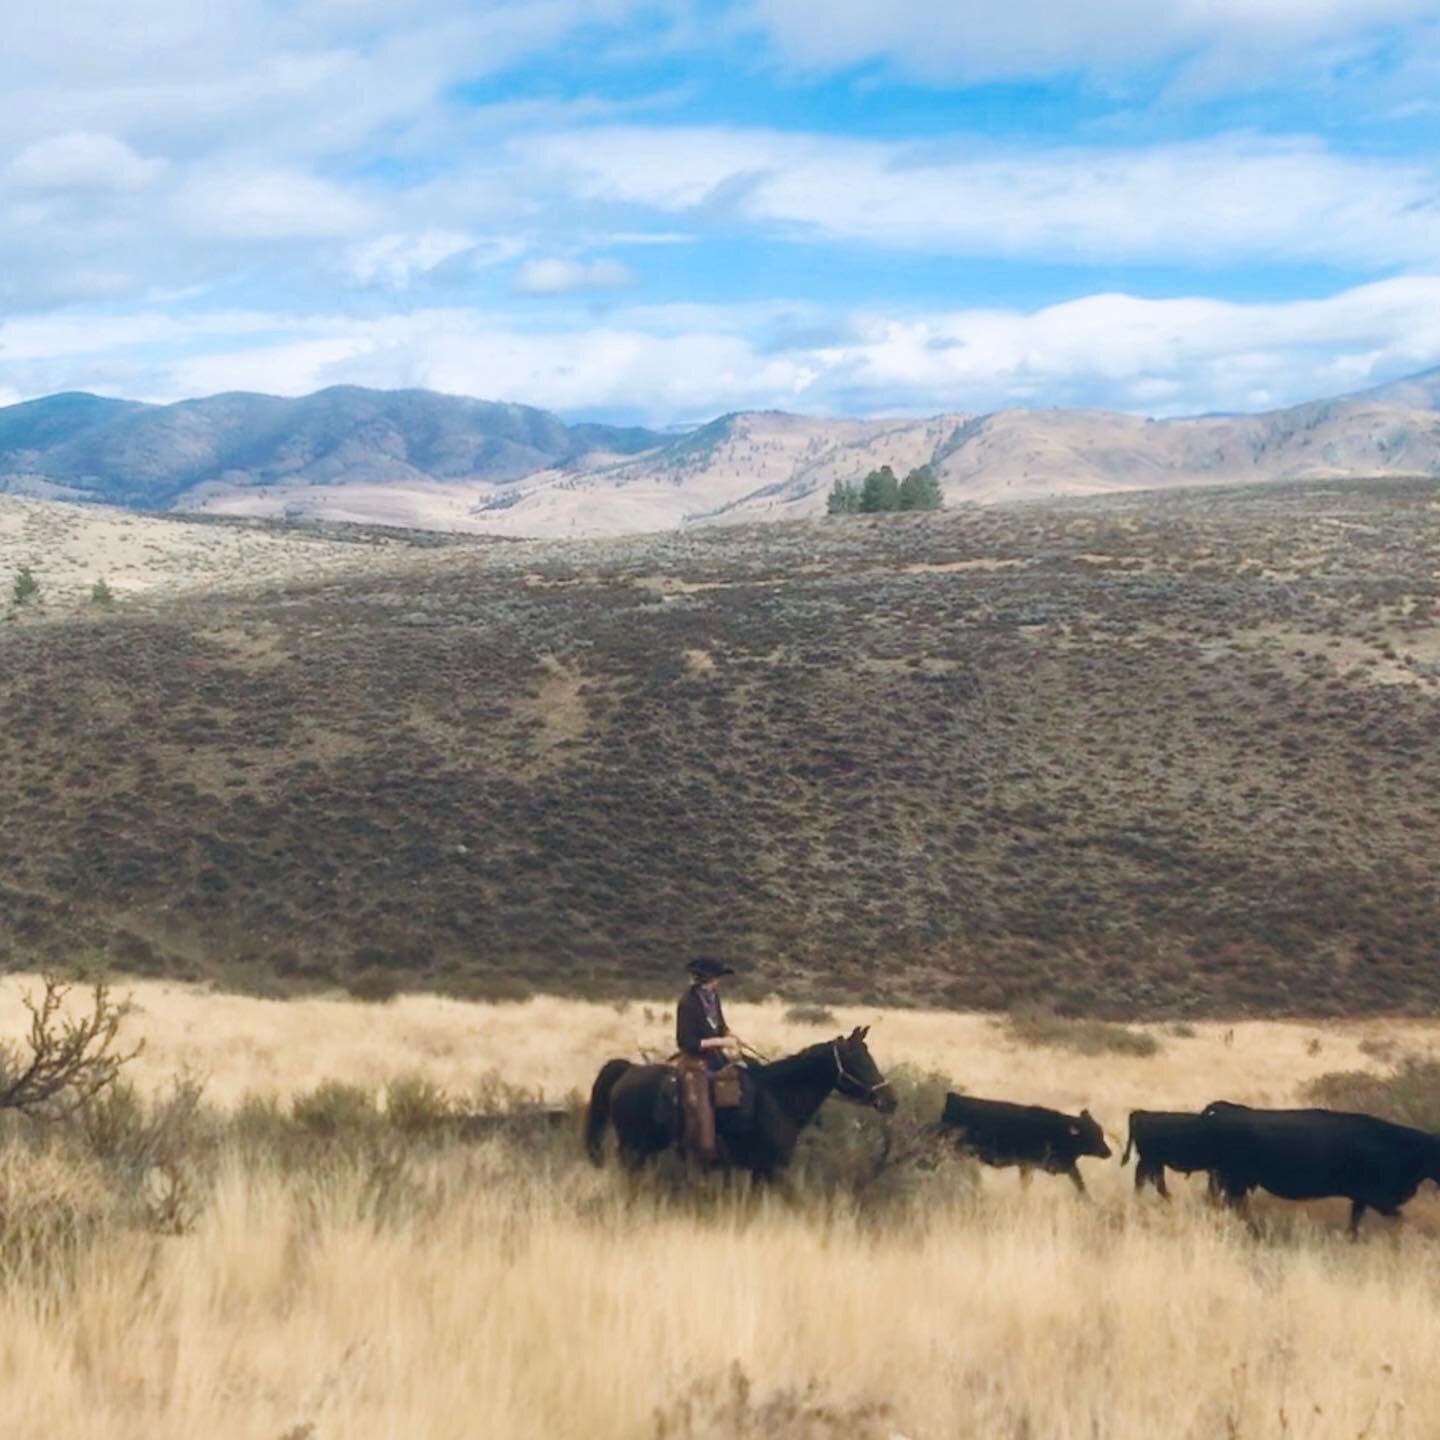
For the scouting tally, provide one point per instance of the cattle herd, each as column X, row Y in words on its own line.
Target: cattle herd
column 1295, row 1154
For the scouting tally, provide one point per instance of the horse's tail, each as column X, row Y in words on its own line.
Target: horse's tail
column 597, row 1115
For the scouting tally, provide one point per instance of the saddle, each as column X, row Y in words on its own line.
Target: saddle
column 731, row 1107
column 726, row 1087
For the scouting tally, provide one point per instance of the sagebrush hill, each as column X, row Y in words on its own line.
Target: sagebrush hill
column 1153, row 754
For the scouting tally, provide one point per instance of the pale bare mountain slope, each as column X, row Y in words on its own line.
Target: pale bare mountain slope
column 1023, row 455
column 738, row 469
column 413, row 459
column 769, row 466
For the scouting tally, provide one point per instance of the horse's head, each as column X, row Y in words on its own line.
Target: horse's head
column 857, row 1076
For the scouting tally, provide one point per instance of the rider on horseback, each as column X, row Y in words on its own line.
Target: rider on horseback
column 705, row 1045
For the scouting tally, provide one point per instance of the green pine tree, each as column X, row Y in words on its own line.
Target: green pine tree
column 880, row 492
column 101, row 594
column 920, row 490
column 844, row 499
column 27, row 587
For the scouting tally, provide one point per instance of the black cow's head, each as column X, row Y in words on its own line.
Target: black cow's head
column 1089, row 1137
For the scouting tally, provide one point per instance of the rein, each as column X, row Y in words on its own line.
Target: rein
column 841, row 1073
column 750, row 1050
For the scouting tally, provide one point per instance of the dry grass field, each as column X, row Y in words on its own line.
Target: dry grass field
column 385, row 1287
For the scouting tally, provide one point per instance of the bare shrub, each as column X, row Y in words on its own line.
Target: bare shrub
column 416, row 1107
column 158, row 1154
column 336, row 1111
column 877, row 1160
column 66, row 1060
column 1409, row 1094
column 726, row 1408
column 260, row 1123
column 1039, row 1026
column 495, row 1095
column 811, row 1015
column 374, row 986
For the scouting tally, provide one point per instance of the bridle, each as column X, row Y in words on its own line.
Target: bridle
column 841, row 1073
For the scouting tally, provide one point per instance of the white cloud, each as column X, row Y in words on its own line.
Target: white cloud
column 290, row 367
column 106, row 337
column 398, row 260
column 980, row 40
column 1179, row 356
column 666, row 364
column 554, row 276
column 80, row 160
column 1232, row 197
column 260, row 204
column 177, row 142
column 299, row 78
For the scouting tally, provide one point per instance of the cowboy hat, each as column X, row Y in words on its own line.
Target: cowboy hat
column 708, row 969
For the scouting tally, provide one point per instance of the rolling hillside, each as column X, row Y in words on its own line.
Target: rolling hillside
column 1143, row 754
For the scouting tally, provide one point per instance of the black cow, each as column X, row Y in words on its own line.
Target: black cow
column 1172, row 1139
column 1030, row 1136
column 1312, row 1154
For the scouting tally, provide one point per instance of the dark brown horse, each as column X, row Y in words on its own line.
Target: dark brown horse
column 640, row 1101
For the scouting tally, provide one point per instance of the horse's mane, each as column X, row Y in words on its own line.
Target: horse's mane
column 778, row 1069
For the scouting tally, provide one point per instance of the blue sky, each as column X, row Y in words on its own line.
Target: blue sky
column 663, row 211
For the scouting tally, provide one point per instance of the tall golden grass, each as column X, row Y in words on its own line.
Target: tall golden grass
column 486, row 1291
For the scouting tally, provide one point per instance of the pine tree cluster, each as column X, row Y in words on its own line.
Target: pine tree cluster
column 881, row 491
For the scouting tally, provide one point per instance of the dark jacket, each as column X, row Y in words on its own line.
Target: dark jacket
column 692, row 1025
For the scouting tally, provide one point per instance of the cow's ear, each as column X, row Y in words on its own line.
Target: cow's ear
column 1086, row 1115
column 1074, row 1128
column 862, row 1032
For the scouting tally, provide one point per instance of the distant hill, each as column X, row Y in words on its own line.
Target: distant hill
column 442, row 462
column 156, row 456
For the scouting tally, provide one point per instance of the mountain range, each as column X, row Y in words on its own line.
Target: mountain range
column 413, row 457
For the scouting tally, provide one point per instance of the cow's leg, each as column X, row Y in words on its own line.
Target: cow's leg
column 1357, row 1209
column 1160, row 1182
column 1025, row 1174
column 1235, row 1197
column 1078, row 1181
column 1141, row 1176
